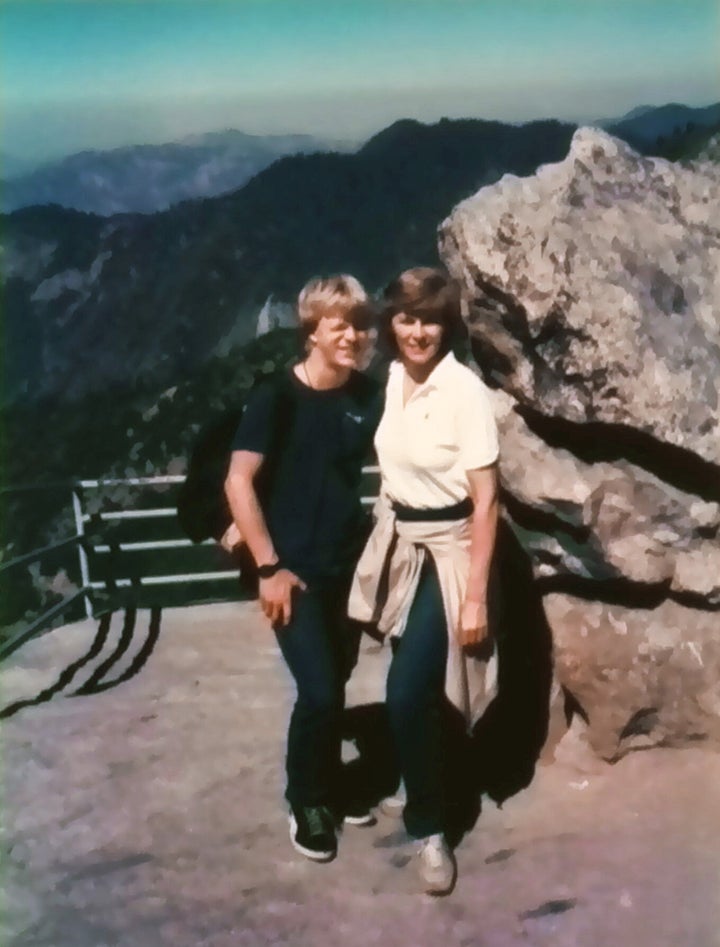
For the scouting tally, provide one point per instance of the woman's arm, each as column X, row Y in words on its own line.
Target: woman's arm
column 473, row 614
column 276, row 592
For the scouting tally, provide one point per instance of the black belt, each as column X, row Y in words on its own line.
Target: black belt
column 456, row 511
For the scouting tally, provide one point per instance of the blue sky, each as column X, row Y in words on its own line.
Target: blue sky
column 100, row 74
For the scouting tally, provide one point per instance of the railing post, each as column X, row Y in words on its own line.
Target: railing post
column 82, row 555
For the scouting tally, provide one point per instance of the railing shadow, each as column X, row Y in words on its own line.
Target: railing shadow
column 126, row 637
column 97, row 682
column 66, row 676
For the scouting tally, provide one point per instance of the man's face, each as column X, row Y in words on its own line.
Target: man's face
column 342, row 340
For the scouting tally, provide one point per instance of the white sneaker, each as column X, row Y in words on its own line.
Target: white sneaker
column 437, row 867
column 394, row 805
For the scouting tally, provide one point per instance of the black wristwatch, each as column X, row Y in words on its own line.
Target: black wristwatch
column 268, row 571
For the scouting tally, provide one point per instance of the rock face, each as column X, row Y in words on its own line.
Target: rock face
column 593, row 293
column 643, row 676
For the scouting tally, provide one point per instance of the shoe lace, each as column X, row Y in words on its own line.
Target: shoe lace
column 433, row 852
column 317, row 819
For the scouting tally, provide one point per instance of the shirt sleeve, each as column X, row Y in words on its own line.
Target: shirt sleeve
column 477, row 428
column 255, row 430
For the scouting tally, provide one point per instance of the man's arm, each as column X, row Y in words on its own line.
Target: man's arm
column 245, row 506
column 276, row 592
column 473, row 615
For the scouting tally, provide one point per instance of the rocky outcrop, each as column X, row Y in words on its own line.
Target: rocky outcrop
column 592, row 293
column 275, row 315
column 641, row 676
column 711, row 150
column 605, row 521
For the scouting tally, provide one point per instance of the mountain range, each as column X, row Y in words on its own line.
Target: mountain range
column 148, row 178
column 138, row 301
column 646, row 125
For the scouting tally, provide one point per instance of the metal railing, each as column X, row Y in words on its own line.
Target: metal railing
column 154, row 513
column 42, row 620
column 88, row 548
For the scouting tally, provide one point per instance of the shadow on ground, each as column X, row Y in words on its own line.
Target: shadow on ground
column 98, row 680
column 498, row 758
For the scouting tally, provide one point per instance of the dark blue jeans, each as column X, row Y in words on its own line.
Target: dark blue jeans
column 320, row 646
column 416, row 705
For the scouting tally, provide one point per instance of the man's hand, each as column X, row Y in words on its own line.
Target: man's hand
column 276, row 596
column 473, row 627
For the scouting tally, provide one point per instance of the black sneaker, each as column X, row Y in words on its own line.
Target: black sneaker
column 312, row 832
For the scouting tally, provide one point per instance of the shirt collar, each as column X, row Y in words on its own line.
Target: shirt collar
column 444, row 368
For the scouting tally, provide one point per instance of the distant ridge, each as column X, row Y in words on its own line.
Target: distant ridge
column 636, row 113
column 644, row 125
column 148, row 178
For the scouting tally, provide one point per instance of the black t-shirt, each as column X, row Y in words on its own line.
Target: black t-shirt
column 311, row 498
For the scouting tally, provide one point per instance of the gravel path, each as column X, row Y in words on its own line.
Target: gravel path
column 149, row 813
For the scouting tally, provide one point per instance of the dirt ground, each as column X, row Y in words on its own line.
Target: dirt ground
column 147, row 811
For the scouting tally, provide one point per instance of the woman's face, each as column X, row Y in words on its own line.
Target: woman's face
column 418, row 341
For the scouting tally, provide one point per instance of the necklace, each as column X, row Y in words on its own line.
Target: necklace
column 307, row 376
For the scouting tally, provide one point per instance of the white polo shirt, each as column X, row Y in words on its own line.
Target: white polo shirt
column 426, row 446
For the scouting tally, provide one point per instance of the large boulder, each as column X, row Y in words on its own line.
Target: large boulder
column 642, row 676
column 592, row 293
column 594, row 288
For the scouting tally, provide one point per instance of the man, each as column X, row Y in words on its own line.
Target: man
column 307, row 534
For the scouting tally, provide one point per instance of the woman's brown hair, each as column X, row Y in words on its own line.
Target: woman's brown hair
column 427, row 293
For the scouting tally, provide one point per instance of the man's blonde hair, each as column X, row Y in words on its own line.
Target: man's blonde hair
column 330, row 296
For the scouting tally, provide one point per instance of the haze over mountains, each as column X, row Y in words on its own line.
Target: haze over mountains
column 148, row 178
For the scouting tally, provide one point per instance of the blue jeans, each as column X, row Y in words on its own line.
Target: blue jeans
column 320, row 646
column 416, row 706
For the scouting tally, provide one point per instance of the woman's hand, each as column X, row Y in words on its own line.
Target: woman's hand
column 473, row 629
column 275, row 596
column 230, row 538
column 473, row 622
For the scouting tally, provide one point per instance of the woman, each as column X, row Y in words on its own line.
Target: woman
column 423, row 575
column 306, row 536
